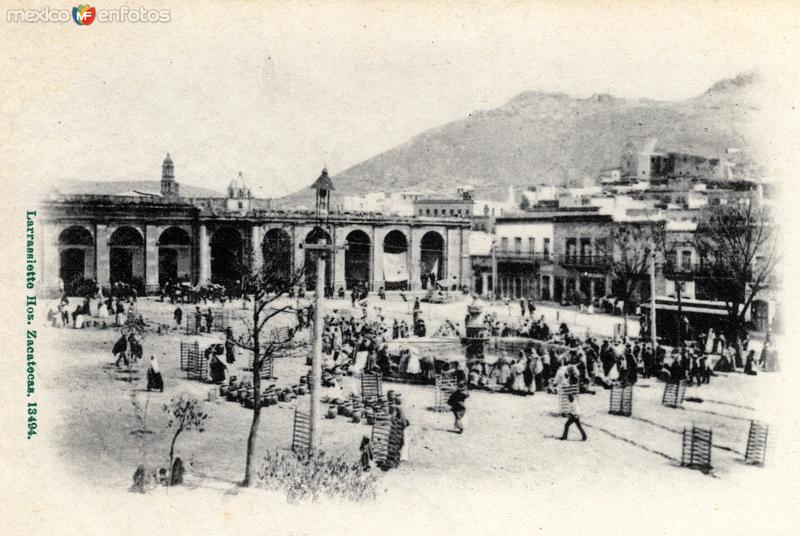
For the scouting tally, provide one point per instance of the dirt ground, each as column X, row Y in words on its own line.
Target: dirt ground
column 510, row 443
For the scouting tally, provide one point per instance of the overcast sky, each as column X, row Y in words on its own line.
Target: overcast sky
column 278, row 92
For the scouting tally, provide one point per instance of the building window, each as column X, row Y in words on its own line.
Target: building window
column 586, row 247
column 436, row 212
column 427, row 212
column 518, row 245
column 686, row 259
column 546, row 246
column 452, row 212
column 241, row 205
column 531, row 244
column 467, row 212
column 504, row 243
column 570, row 248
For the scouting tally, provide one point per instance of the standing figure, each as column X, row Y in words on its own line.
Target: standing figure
column 230, row 346
column 573, row 417
column 457, row 406
column 120, row 350
column 366, row 453
column 155, row 382
column 198, row 318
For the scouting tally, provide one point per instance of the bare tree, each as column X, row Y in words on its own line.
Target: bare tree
column 629, row 259
column 185, row 414
column 737, row 245
column 271, row 283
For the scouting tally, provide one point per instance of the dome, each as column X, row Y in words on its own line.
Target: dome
column 237, row 183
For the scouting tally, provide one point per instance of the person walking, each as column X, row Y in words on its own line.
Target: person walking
column 119, row 350
column 573, row 417
column 456, row 403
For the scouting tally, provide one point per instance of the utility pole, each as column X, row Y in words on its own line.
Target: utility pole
column 322, row 249
column 653, row 299
column 323, row 187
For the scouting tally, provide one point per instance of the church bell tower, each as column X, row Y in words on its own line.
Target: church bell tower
column 323, row 186
column 169, row 188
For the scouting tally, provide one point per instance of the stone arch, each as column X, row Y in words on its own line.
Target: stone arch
column 357, row 259
column 276, row 249
column 310, row 264
column 126, row 257
column 431, row 255
column 76, row 258
column 174, row 256
column 227, row 257
column 395, row 256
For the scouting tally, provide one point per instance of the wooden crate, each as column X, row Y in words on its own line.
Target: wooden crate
column 563, row 397
column 381, row 431
column 621, row 400
column 756, row 443
column 696, row 451
column 445, row 386
column 301, row 432
column 371, row 386
column 674, row 394
column 267, row 367
column 193, row 361
column 187, row 348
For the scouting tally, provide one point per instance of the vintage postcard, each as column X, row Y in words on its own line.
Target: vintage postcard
column 398, row 268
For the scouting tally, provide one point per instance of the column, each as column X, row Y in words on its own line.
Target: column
column 485, row 283
column 151, row 235
column 102, row 258
column 465, row 266
column 552, row 285
column 205, row 255
column 591, row 289
column 256, row 255
column 338, row 259
column 299, row 236
column 452, row 255
column 377, row 258
column 415, row 247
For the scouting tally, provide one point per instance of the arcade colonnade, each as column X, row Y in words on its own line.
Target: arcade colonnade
column 147, row 255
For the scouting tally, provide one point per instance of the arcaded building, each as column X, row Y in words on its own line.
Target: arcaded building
column 147, row 239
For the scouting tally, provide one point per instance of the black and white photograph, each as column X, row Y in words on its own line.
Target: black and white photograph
column 395, row 268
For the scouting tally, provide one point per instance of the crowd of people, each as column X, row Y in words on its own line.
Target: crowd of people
column 103, row 310
column 358, row 340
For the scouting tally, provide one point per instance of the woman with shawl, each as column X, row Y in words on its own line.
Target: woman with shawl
column 155, row 382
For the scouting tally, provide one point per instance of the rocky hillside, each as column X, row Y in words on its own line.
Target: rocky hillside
column 539, row 138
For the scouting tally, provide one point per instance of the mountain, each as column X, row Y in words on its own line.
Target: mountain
column 74, row 186
column 543, row 138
